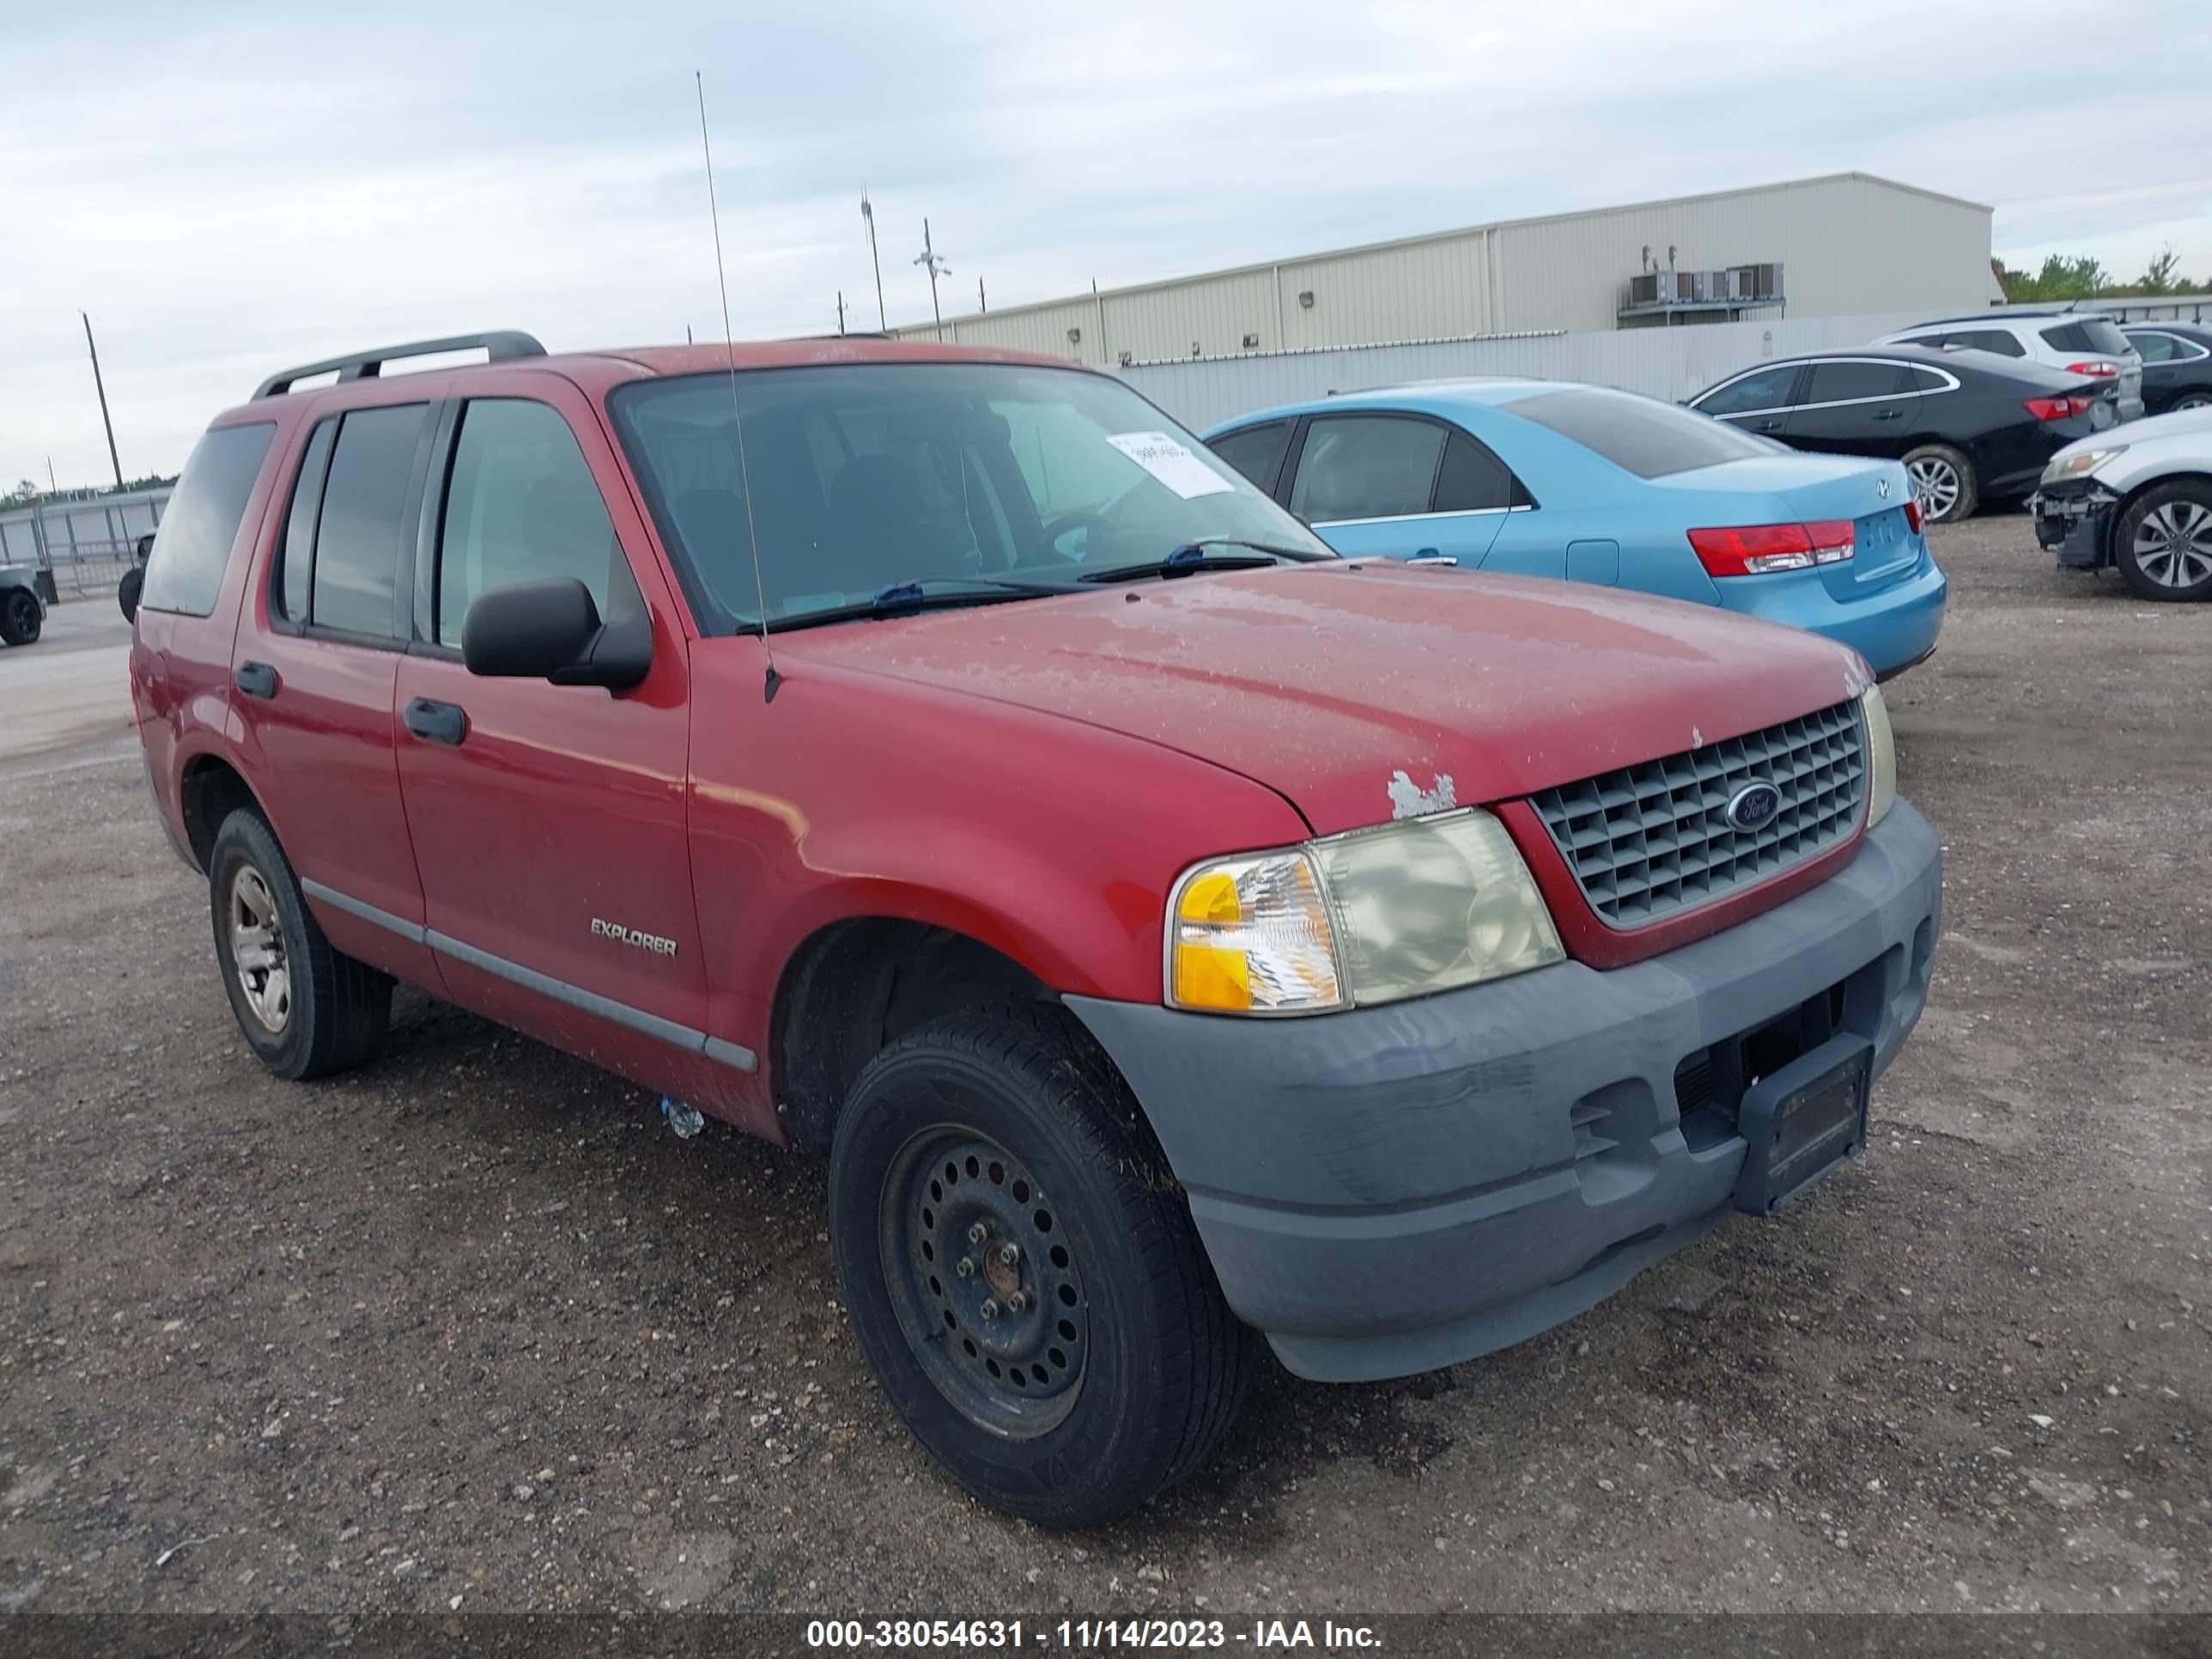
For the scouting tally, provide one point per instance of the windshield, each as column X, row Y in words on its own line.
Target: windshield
column 870, row 477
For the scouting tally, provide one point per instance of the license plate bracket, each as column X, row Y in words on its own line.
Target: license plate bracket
column 1803, row 1122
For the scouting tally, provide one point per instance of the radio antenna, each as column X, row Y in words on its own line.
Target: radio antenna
column 737, row 412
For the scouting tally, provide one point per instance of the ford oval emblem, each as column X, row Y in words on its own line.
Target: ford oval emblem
column 1753, row 807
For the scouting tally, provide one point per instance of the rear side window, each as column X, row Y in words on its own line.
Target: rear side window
column 1997, row 340
column 1366, row 466
column 1767, row 388
column 1473, row 480
column 357, row 540
column 1844, row 382
column 1256, row 451
column 191, row 549
column 1638, row 435
column 523, row 506
column 295, row 559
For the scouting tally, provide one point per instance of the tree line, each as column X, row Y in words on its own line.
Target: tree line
column 30, row 492
column 2086, row 278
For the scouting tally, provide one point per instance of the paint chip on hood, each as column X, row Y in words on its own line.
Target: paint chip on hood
column 1409, row 800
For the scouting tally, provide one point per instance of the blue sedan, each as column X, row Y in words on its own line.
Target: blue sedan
column 1550, row 478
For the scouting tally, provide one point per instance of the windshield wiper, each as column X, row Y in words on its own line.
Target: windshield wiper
column 926, row 593
column 1192, row 557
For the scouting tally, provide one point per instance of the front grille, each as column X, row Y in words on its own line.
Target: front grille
column 1650, row 841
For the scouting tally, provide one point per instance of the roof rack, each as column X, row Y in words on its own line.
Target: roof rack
column 499, row 343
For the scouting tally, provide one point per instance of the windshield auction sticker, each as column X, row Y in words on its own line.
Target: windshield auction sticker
column 1171, row 462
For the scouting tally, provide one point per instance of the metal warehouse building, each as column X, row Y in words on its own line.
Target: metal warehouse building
column 1846, row 245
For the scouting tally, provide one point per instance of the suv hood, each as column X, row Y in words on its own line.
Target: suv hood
column 1362, row 691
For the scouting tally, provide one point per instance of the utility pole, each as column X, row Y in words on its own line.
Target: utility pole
column 929, row 261
column 868, row 213
column 980, row 307
column 97, row 385
column 840, row 310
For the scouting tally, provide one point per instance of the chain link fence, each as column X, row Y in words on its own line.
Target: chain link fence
column 80, row 549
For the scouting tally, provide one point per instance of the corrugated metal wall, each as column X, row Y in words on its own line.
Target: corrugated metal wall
column 1849, row 245
column 1660, row 362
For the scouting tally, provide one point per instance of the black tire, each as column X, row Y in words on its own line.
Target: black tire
column 2191, row 400
column 2163, row 542
column 1143, row 1367
column 1944, row 480
column 127, row 589
column 21, row 615
column 335, row 1009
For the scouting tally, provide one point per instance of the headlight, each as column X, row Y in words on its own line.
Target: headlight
column 2080, row 465
column 1882, row 757
column 1373, row 916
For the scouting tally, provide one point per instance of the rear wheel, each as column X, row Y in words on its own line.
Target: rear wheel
column 21, row 616
column 2164, row 543
column 1943, row 479
column 2194, row 400
column 1022, row 1271
column 304, row 1006
column 127, row 590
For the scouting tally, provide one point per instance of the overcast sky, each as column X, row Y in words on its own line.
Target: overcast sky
column 228, row 187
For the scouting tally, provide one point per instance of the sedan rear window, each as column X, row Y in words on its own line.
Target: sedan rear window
column 192, row 551
column 1638, row 435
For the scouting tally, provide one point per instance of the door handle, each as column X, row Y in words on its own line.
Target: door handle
column 1889, row 415
column 255, row 679
column 1769, row 426
column 1429, row 556
column 436, row 722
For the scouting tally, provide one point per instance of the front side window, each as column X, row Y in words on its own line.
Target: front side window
column 1366, row 466
column 521, row 505
column 357, row 539
column 1846, row 382
column 1256, row 451
column 1640, row 435
column 868, row 477
column 1765, row 388
column 191, row 549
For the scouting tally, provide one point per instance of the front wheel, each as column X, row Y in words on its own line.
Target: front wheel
column 1022, row 1271
column 21, row 617
column 1943, row 479
column 2164, row 543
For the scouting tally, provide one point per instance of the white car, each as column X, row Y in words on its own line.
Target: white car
column 2137, row 496
column 2086, row 342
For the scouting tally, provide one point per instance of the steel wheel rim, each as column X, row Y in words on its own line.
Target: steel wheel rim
column 1006, row 1340
column 2174, row 543
column 1935, row 482
column 257, row 950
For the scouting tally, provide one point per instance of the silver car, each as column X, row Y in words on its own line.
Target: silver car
column 2138, row 497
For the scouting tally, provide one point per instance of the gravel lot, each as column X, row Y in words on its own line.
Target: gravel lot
column 471, row 1328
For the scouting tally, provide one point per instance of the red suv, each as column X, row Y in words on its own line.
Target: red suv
column 933, row 757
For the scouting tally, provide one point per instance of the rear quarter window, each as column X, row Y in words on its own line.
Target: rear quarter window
column 1638, row 435
column 199, row 527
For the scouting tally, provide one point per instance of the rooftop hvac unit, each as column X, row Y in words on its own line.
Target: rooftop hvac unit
column 1644, row 290
column 1755, row 281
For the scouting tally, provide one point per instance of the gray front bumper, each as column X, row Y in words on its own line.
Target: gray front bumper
column 1394, row 1189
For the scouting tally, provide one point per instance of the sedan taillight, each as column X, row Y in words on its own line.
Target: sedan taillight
column 2097, row 368
column 1763, row 549
column 2058, row 408
column 1912, row 516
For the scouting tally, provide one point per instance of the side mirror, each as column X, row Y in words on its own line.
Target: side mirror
column 127, row 590
column 550, row 630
